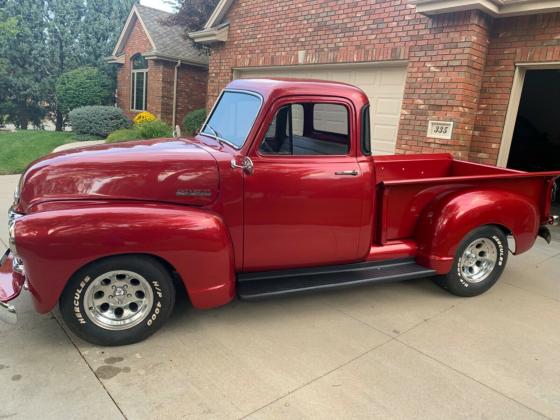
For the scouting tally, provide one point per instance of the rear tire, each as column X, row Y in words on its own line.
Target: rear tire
column 118, row 301
column 479, row 262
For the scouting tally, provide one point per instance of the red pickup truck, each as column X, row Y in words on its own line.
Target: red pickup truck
column 278, row 194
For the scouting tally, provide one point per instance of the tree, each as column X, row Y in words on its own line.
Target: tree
column 193, row 14
column 53, row 36
column 25, row 62
column 81, row 87
column 101, row 26
column 64, row 23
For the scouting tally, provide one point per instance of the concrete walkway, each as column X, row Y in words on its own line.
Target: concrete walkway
column 407, row 350
column 78, row 144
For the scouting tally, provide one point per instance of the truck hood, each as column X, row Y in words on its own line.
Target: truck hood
column 173, row 171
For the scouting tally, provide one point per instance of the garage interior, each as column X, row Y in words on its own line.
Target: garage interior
column 536, row 139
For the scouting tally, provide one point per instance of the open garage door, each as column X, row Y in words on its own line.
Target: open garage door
column 384, row 87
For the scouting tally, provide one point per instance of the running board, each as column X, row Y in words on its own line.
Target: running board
column 251, row 286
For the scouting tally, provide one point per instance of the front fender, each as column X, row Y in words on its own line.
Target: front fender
column 447, row 220
column 55, row 244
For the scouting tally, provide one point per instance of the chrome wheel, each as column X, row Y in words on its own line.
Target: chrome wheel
column 478, row 260
column 118, row 300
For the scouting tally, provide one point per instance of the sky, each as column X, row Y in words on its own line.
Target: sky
column 166, row 5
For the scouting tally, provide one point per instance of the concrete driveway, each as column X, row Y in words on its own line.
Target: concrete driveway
column 407, row 350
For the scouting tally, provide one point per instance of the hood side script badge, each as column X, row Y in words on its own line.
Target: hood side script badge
column 194, row 193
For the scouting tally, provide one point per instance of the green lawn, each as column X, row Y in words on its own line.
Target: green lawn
column 19, row 149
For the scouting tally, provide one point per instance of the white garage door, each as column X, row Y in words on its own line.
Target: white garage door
column 383, row 85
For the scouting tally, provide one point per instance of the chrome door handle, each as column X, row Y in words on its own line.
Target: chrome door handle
column 347, row 173
column 246, row 165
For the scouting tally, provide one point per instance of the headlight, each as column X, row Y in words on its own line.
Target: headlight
column 17, row 192
column 12, row 220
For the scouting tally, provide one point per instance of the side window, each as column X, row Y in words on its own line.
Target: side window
column 308, row 129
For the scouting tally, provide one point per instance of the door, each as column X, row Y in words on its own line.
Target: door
column 304, row 197
column 384, row 86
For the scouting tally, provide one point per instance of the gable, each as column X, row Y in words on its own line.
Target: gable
column 165, row 41
column 133, row 22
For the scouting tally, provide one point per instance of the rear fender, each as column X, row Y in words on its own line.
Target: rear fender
column 449, row 218
column 55, row 244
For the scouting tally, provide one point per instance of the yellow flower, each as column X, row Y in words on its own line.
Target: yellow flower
column 144, row 117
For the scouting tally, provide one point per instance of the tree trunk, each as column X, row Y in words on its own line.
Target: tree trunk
column 59, row 118
column 59, row 125
column 23, row 121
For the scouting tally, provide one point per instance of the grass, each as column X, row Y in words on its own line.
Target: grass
column 20, row 148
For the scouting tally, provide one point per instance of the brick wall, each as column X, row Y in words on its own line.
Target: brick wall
column 191, row 82
column 137, row 43
column 526, row 39
column 446, row 57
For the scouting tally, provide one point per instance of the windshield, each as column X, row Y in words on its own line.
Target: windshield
column 233, row 117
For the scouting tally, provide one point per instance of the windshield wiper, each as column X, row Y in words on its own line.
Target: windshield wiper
column 216, row 134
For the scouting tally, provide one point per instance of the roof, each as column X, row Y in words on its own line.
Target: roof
column 168, row 41
column 277, row 87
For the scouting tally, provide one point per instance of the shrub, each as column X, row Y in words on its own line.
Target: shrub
column 124, row 134
column 86, row 137
column 193, row 121
column 153, row 129
column 144, row 131
column 144, row 117
column 97, row 120
column 82, row 87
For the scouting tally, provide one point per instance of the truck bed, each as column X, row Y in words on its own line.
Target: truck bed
column 406, row 184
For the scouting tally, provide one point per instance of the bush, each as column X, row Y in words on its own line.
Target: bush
column 82, row 87
column 153, row 129
column 144, row 117
column 144, row 131
column 97, row 120
column 193, row 121
column 86, row 137
column 124, row 134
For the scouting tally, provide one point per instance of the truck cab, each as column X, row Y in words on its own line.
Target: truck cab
column 279, row 193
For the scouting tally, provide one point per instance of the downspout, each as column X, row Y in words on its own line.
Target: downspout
column 175, row 95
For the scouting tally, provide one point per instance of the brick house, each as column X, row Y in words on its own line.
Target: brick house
column 478, row 78
column 159, row 70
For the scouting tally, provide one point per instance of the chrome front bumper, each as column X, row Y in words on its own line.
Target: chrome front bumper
column 12, row 281
column 8, row 313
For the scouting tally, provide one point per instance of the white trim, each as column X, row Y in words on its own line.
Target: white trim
column 218, row 13
column 134, row 98
column 513, row 106
column 116, row 60
column 495, row 8
column 208, row 36
column 511, row 116
column 154, row 55
column 127, row 29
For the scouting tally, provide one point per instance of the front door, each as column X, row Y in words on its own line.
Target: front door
column 304, row 198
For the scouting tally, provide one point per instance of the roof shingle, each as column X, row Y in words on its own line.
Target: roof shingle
column 168, row 39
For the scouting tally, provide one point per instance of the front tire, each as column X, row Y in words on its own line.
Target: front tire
column 118, row 301
column 479, row 262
